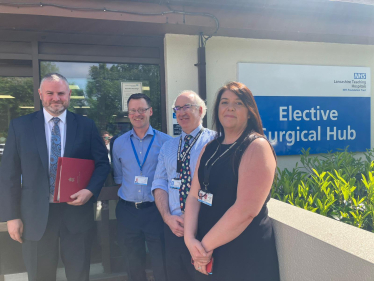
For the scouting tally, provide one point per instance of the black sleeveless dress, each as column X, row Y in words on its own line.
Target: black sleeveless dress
column 252, row 255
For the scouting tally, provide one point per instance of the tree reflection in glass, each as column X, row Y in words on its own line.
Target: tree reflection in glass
column 96, row 91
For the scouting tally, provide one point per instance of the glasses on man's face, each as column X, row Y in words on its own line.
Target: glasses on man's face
column 186, row 107
column 139, row 110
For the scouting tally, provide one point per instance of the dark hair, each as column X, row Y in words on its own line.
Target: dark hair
column 254, row 124
column 49, row 76
column 138, row 97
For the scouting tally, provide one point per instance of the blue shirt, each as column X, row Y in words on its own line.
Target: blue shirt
column 167, row 165
column 126, row 167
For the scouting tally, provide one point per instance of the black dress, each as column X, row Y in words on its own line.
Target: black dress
column 252, row 255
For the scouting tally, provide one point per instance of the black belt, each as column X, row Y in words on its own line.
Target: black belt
column 137, row 205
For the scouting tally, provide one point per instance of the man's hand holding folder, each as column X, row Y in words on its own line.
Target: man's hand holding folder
column 81, row 197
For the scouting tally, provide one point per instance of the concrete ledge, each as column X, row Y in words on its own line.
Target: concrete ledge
column 3, row 227
column 96, row 273
column 314, row 247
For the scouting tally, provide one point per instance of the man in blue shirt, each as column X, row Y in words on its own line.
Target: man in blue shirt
column 134, row 161
column 175, row 169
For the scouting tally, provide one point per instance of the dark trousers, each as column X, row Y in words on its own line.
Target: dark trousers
column 178, row 258
column 41, row 257
column 135, row 227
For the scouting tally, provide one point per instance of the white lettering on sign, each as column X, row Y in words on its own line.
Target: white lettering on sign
column 286, row 113
column 293, row 136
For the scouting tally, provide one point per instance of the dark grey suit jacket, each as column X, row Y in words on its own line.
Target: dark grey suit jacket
column 26, row 155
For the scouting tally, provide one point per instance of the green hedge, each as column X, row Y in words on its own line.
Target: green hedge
column 337, row 185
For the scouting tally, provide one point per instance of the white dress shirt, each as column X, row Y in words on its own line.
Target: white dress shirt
column 48, row 126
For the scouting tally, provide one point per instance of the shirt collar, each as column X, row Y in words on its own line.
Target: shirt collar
column 149, row 132
column 48, row 117
column 193, row 133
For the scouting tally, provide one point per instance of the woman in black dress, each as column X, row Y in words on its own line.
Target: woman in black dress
column 226, row 215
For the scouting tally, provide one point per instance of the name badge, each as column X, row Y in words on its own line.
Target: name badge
column 176, row 183
column 205, row 198
column 141, row 180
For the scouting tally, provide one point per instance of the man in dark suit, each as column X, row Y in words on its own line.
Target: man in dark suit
column 27, row 175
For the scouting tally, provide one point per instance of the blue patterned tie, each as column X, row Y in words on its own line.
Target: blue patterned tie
column 185, row 174
column 55, row 153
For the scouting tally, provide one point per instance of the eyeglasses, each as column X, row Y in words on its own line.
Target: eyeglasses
column 186, row 107
column 139, row 110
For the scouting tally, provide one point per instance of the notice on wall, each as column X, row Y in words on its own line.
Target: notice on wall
column 324, row 108
column 177, row 129
column 127, row 89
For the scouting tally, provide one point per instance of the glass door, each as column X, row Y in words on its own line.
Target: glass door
column 100, row 92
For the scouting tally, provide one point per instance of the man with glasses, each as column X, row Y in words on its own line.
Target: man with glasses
column 172, row 180
column 134, row 161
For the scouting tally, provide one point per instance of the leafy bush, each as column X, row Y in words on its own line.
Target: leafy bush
column 336, row 185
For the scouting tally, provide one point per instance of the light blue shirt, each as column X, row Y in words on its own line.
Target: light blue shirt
column 126, row 167
column 167, row 165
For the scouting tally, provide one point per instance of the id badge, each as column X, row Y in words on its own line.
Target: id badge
column 205, row 197
column 176, row 183
column 141, row 180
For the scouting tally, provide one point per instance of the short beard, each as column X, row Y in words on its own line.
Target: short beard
column 55, row 111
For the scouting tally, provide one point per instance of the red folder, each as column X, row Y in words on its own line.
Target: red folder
column 209, row 266
column 72, row 175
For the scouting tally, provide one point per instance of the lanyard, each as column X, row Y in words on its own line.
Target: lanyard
column 208, row 169
column 181, row 157
column 146, row 154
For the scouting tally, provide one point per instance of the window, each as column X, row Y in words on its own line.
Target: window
column 16, row 99
column 97, row 91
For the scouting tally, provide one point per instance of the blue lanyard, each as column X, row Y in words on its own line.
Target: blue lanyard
column 146, row 155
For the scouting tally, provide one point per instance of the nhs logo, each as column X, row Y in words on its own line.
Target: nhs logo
column 360, row 76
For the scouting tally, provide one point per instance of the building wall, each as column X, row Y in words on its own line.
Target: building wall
column 180, row 72
column 223, row 54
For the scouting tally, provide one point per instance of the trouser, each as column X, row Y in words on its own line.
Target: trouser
column 135, row 227
column 178, row 258
column 41, row 257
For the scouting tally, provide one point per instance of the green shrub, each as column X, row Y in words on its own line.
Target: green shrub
column 336, row 185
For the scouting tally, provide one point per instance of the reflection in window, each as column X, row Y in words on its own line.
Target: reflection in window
column 96, row 91
column 16, row 99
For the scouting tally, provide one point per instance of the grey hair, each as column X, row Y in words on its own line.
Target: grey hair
column 54, row 77
column 197, row 99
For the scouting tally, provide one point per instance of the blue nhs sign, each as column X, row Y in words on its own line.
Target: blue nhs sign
column 360, row 76
column 324, row 108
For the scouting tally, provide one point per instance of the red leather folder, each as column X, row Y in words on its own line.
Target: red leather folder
column 72, row 175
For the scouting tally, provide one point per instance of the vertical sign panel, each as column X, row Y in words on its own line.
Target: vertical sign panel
column 127, row 89
column 324, row 108
column 177, row 129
